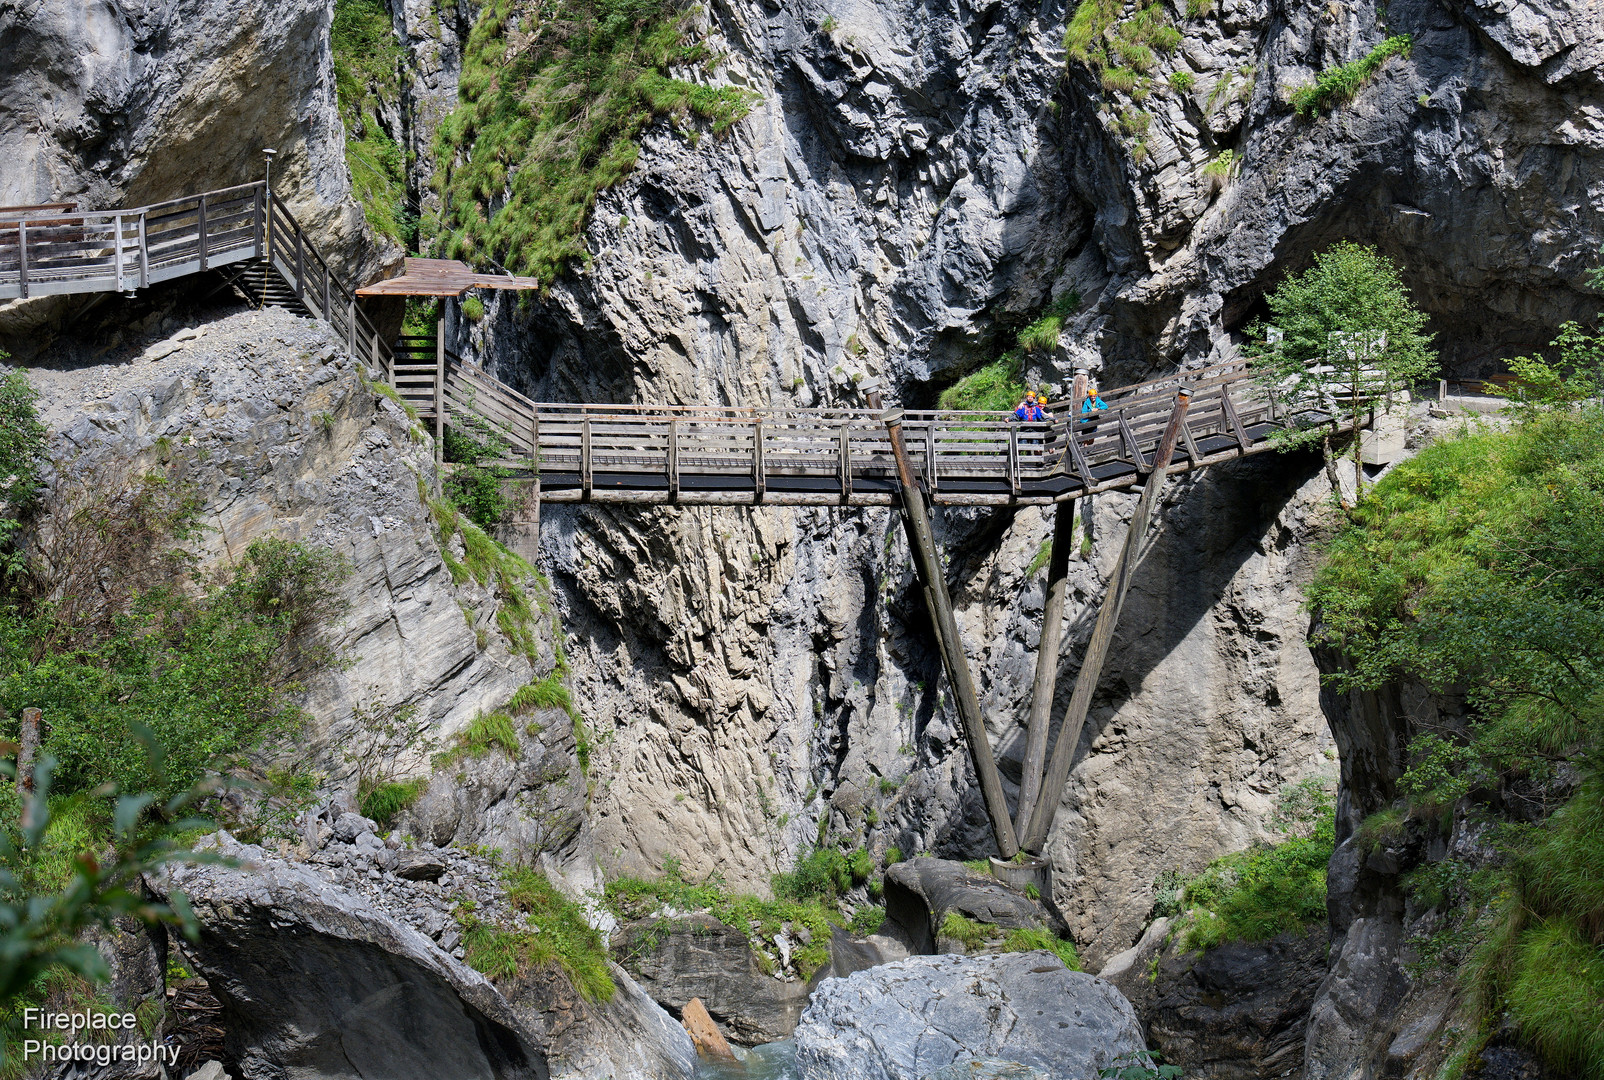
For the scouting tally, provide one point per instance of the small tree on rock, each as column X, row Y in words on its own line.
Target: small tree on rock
column 1344, row 336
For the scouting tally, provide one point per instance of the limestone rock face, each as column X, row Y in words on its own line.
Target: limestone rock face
column 266, row 417
column 326, row 967
column 113, row 103
column 921, row 892
column 909, row 1019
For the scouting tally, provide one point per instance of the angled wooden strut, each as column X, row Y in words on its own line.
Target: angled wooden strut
column 916, row 520
column 1052, row 790
column 1052, row 636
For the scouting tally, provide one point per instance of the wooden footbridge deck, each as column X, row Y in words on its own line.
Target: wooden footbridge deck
column 706, row 455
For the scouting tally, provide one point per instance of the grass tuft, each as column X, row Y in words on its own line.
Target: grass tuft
column 558, row 936
column 1045, row 940
column 1338, row 85
column 383, row 802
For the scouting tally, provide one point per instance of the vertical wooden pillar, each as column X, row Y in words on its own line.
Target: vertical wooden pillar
column 757, row 461
column 671, row 460
column 29, row 741
column 117, row 248
column 22, row 257
column 1041, row 819
column 205, row 260
column 921, row 539
column 439, row 398
column 1052, row 636
column 144, row 255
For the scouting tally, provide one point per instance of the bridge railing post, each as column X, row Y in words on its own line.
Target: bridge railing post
column 203, row 246
column 117, row 248
column 144, row 254
column 757, row 460
column 22, row 257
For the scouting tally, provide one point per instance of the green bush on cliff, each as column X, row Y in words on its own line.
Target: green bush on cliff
column 1478, row 567
column 554, row 102
column 1334, row 86
column 554, row 933
column 1270, row 889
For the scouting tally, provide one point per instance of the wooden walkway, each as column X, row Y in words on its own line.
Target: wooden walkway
column 627, row 453
column 701, row 455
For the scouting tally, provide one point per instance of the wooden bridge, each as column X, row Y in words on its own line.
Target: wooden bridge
column 706, row 455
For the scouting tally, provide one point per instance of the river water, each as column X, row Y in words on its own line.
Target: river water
column 771, row 1061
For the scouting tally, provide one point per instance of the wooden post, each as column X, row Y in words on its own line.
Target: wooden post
column 1052, row 636
column 300, row 267
column 1013, row 459
column 1241, row 434
column 350, row 325
column 1128, row 437
column 672, row 460
column 202, row 218
column 117, row 248
column 1041, row 818
column 22, row 256
column 534, row 462
column 846, row 465
column 259, row 235
column 930, row 456
column 25, row 754
column 439, row 391
column 757, row 460
column 916, row 519
column 327, row 311
column 144, row 255
column 584, row 459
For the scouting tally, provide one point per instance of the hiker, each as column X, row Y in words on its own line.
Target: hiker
column 1029, row 409
column 1093, row 403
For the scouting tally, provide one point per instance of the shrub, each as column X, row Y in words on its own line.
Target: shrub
column 1270, row 889
column 1221, row 168
column 1337, row 85
column 22, row 445
column 475, row 487
column 867, row 920
column 823, row 874
column 473, row 309
column 558, row 936
column 994, row 387
column 1182, row 81
column 964, row 930
column 385, row 801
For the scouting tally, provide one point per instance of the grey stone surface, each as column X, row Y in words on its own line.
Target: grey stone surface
column 1235, row 1012
column 906, row 1020
column 317, row 959
column 920, row 892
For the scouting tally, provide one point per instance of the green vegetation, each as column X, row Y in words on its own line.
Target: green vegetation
column 998, row 386
column 384, row 801
column 1141, row 1064
column 824, row 873
column 1338, row 85
column 1046, row 940
column 1267, row 890
column 1121, row 42
column 553, row 104
column 1350, row 311
column 366, row 74
column 867, row 920
column 484, row 733
column 476, row 485
column 994, row 387
column 1476, row 565
column 1222, row 167
column 1182, row 82
column 473, row 309
column 967, row 932
column 557, row 936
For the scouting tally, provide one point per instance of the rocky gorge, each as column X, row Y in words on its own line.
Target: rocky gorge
column 907, row 186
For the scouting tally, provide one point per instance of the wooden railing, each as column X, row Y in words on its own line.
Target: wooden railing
column 291, row 254
column 54, row 249
column 640, row 453
column 123, row 250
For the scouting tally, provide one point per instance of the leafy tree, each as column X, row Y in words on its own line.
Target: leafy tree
column 1345, row 335
column 22, row 445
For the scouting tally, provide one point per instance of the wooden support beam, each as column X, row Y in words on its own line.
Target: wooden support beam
column 916, row 520
column 585, row 464
column 144, row 255
column 117, row 248
column 1052, row 636
column 1128, row 437
column 930, row 456
column 201, row 213
column 439, row 392
column 1237, row 429
column 673, row 460
column 22, row 257
column 1013, row 460
column 1052, row 792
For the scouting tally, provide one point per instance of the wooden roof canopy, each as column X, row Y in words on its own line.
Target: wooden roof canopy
column 442, row 277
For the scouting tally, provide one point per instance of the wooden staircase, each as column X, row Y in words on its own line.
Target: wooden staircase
column 263, row 286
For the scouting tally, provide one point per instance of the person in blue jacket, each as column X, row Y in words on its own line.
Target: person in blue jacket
column 1029, row 409
column 1093, row 402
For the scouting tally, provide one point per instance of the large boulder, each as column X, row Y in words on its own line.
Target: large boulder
column 912, row 1018
column 921, row 892
column 318, row 979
